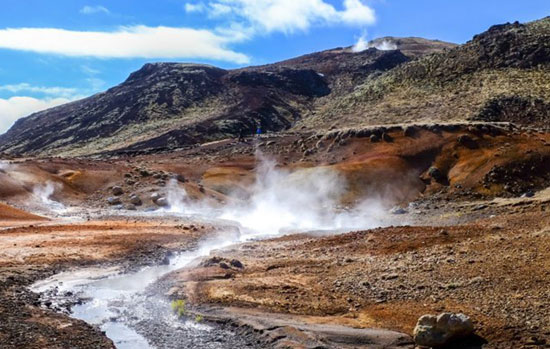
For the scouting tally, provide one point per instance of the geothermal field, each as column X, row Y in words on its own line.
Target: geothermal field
column 253, row 244
column 389, row 195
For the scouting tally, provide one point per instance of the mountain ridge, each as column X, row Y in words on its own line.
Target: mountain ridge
column 164, row 106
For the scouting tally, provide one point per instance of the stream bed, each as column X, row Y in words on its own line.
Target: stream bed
column 131, row 314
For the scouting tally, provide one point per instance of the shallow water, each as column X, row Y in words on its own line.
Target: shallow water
column 129, row 315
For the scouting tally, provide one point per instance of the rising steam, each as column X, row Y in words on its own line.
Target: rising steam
column 45, row 192
column 362, row 44
column 283, row 201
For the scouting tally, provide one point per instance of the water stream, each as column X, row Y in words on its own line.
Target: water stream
column 120, row 305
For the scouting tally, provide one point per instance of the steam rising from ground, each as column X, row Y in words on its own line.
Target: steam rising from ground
column 362, row 44
column 283, row 201
column 45, row 191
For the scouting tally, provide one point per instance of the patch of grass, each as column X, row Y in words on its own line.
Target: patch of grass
column 178, row 307
column 199, row 318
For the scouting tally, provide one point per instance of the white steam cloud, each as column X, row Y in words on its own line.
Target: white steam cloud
column 362, row 44
column 282, row 201
column 45, row 191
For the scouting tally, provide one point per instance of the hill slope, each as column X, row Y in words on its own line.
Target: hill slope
column 168, row 105
column 502, row 74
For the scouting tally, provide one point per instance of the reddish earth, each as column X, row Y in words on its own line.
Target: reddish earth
column 474, row 245
column 9, row 214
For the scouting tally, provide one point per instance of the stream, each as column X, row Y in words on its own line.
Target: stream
column 130, row 315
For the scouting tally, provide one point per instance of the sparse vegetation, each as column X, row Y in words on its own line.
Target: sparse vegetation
column 178, row 307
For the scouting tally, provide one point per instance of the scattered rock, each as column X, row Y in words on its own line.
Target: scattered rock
column 131, row 207
column 374, row 138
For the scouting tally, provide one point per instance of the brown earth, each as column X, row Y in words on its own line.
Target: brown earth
column 8, row 213
column 36, row 251
column 475, row 244
column 495, row 270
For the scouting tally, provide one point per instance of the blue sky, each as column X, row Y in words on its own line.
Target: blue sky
column 54, row 51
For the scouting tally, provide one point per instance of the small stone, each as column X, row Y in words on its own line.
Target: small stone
column 135, row 200
column 162, row 202
column 113, row 200
column 117, row 191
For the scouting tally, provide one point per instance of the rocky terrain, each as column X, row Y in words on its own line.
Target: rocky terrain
column 170, row 105
column 399, row 198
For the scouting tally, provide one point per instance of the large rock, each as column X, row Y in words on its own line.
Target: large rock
column 437, row 331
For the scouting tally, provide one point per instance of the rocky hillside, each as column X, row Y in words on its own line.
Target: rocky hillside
column 169, row 105
column 502, row 74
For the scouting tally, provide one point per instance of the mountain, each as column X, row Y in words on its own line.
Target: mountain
column 500, row 75
column 169, row 105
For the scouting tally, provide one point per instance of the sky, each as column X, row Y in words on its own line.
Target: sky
column 56, row 51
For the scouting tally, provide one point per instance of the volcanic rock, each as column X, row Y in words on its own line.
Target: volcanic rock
column 432, row 331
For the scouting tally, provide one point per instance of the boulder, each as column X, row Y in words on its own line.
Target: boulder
column 155, row 197
column 117, row 191
column 436, row 174
column 398, row 210
column 131, row 207
column 467, row 141
column 386, row 137
column 437, row 331
column 180, row 178
column 409, row 131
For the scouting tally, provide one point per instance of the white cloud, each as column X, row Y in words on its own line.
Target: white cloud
column 289, row 16
column 14, row 108
column 89, row 70
column 90, row 10
column 200, row 7
column 126, row 42
column 52, row 91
